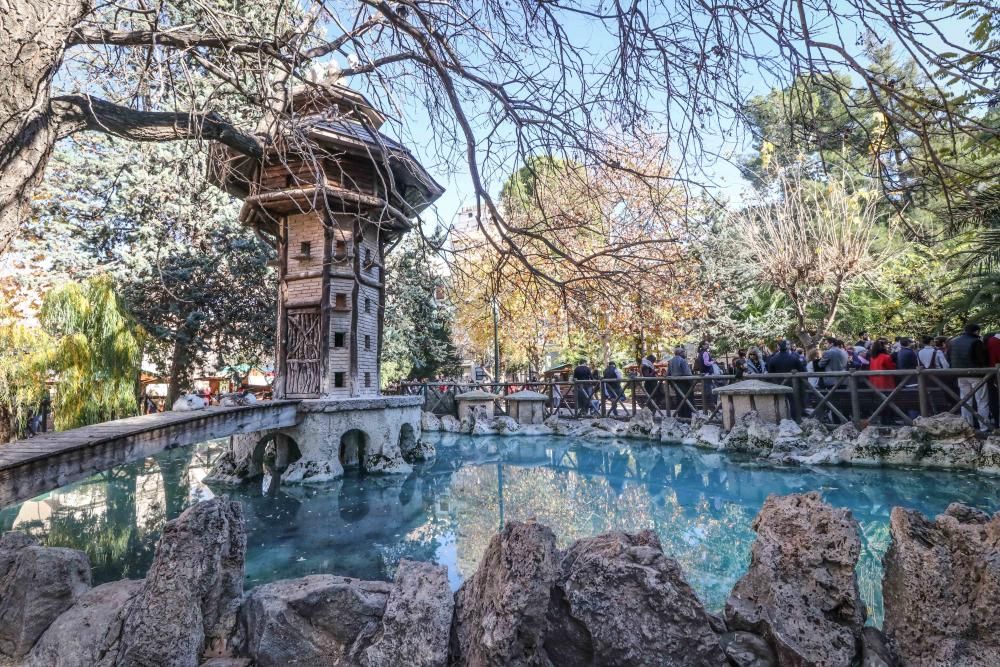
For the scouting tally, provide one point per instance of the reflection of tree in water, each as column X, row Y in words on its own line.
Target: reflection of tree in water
column 597, row 490
column 101, row 514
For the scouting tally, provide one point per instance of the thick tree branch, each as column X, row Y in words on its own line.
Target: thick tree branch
column 76, row 113
column 178, row 39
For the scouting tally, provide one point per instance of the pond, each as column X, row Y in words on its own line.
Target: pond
column 700, row 503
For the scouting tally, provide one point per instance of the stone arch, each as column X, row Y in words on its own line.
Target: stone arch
column 354, row 447
column 286, row 451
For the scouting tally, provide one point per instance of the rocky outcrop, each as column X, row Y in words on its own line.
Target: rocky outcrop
column 430, row 422
column 619, row 600
column 673, row 430
column 500, row 612
column 320, row 619
column 941, row 587
column 86, row 634
column 416, row 624
column 188, row 602
column 751, row 435
column 419, row 452
column 745, row 649
column 801, row 592
column 37, row 584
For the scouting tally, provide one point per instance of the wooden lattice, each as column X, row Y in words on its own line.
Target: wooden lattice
column 302, row 352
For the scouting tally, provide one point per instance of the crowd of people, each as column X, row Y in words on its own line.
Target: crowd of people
column 970, row 349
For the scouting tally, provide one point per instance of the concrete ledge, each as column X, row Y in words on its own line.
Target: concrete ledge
column 359, row 403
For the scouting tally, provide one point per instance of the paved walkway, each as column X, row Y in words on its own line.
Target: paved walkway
column 35, row 465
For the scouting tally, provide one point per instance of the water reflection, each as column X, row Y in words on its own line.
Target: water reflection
column 701, row 504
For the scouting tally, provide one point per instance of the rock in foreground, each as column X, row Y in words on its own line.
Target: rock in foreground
column 620, row 601
column 37, row 584
column 941, row 588
column 801, row 592
column 320, row 619
column 188, row 603
column 500, row 611
column 417, row 621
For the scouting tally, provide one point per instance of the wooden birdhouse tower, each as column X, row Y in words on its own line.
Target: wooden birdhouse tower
column 333, row 193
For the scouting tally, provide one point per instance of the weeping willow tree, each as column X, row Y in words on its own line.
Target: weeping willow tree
column 96, row 353
column 23, row 359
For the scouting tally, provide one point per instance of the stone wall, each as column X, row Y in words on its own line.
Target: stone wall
column 942, row 441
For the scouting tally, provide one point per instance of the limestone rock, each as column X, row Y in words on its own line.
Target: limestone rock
column 941, row 587
column 311, row 471
column 612, row 426
column 620, row 601
column 430, row 422
column 745, row 649
column 504, row 424
column 875, row 650
column 85, row 634
column 417, row 621
column 380, row 464
column 419, row 451
column 751, row 435
column 37, row 584
column 989, row 455
column 319, row 619
column 188, row 602
column 708, row 436
column 673, row 430
column 642, row 422
column 500, row 611
column 450, row 424
column 945, row 426
column 800, row 592
column 846, row 433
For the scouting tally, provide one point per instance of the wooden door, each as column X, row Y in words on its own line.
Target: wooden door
column 303, row 358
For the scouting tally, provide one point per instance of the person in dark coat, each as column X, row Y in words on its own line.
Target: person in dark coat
column 583, row 375
column 784, row 361
column 613, row 386
column 969, row 351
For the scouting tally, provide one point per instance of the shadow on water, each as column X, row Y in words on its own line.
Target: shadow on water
column 700, row 503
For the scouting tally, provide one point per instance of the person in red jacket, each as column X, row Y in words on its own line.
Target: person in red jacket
column 881, row 360
column 992, row 348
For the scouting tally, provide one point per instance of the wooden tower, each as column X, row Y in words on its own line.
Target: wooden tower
column 333, row 194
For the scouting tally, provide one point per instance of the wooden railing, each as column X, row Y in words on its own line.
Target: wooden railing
column 835, row 398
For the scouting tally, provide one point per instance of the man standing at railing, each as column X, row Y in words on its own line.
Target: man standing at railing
column 969, row 351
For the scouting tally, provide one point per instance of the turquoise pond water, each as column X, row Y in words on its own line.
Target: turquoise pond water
column 700, row 503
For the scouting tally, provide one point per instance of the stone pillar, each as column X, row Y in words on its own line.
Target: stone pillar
column 527, row 407
column 476, row 398
column 767, row 399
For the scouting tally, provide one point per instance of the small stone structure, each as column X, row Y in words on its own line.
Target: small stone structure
column 765, row 398
column 476, row 398
column 527, row 407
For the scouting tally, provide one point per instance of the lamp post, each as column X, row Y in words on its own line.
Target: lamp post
column 496, row 341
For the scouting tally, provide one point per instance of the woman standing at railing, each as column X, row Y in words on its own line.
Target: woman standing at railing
column 881, row 360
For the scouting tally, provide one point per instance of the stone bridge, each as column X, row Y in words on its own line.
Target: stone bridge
column 32, row 466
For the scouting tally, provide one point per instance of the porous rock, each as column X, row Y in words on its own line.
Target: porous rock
column 37, row 584
column 941, row 587
column 800, row 592
column 85, row 635
column 673, row 430
column 188, row 601
column 450, row 424
column 415, row 627
column 745, row 649
column 320, row 619
column 620, row 601
column 430, row 422
column 500, row 612
column 751, row 435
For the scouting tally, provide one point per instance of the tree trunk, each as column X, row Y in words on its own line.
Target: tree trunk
column 32, row 41
column 178, row 372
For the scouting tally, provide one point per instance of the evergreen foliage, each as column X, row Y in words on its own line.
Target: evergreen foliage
column 417, row 339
